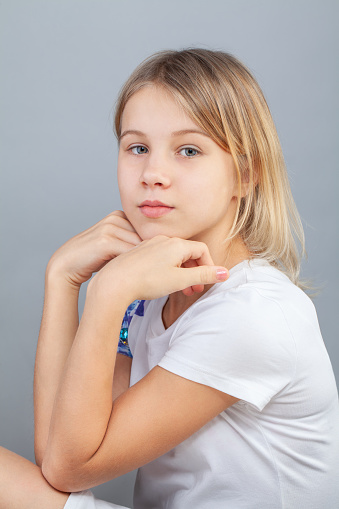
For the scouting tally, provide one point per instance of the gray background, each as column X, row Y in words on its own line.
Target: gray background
column 62, row 64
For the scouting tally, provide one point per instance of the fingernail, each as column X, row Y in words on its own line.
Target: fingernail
column 222, row 274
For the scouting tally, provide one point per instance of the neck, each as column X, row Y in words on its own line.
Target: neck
column 227, row 255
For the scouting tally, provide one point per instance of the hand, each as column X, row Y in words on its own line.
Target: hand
column 155, row 268
column 92, row 249
column 194, row 288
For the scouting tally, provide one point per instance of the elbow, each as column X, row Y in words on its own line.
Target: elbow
column 61, row 477
column 55, row 476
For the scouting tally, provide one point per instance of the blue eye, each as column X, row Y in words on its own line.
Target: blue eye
column 138, row 150
column 189, row 151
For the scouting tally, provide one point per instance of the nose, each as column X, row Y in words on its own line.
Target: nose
column 155, row 173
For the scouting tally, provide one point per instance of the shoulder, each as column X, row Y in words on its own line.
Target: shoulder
column 237, row 337
column 257, row 307
column 256, row 293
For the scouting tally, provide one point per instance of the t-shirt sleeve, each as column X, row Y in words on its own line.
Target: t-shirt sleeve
column 137, row 307
column 239, row 343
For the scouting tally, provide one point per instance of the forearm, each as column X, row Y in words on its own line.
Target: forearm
column 59, row 324
column 84, row 401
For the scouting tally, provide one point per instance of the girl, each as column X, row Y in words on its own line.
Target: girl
column 222, row 392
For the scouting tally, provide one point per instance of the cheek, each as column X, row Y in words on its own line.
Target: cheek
column 122, row 169
column 124, row 181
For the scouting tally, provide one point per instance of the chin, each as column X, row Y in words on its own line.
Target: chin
column 147, row 232
column 149, row 235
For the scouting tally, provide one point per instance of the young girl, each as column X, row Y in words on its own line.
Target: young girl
column 223, row 393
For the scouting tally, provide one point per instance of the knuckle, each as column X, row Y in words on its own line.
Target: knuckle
column 107, row 229
column 205, row 275
column 177, row 240
column 203, row 245
column 119, row 213
column 157, row 238
column 112, row 219
column 106, row 234
column 103, row 244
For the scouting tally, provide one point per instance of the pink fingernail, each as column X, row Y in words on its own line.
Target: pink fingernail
column 222, row 274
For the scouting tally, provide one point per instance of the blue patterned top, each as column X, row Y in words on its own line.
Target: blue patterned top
column 137, row 307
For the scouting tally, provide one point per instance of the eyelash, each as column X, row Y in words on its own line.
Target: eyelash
column 197, row 152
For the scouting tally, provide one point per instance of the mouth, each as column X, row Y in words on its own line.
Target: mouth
column 154, row 209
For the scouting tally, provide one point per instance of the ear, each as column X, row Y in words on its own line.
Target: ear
column 245, row 178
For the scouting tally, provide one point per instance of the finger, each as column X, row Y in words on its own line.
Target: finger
column 198, row 288
column 119, row 217
column 188, row 291
column 127, row 236
column 120, row 221
column 202, row 275
column 195, row 252
column 118, row 231
column 120, row 213
column 194, row 288
column 189, row 263
column 204, row 257
column 111, row 253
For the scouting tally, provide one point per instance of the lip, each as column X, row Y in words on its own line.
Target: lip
column 154, row 203
column 154, row 208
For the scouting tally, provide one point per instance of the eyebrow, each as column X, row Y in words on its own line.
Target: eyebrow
column 175, row 133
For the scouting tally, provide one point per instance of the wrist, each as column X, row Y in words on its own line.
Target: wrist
column 105, row 293
column 56, row 278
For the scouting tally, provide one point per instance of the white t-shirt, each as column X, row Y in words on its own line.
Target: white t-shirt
column 256, row 337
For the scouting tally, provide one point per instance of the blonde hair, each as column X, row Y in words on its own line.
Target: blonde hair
column 222, row 97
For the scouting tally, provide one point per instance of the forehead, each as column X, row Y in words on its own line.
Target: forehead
column 153, row 108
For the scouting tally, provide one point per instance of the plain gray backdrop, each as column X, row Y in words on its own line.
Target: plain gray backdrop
column 62, row 65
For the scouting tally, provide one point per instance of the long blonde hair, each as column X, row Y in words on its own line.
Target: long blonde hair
column 221, row 96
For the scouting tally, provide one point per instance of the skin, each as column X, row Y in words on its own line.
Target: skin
column 182, row 250
column 177, row 169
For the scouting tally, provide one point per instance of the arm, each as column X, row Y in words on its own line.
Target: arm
column 94, row 439
column 59, row 324
column 122, row 374
column 70, row 266
column 84, row 400
column 85, row 447
column 58, row 328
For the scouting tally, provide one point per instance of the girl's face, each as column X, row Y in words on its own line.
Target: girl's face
column 164, row 156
